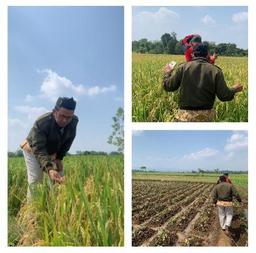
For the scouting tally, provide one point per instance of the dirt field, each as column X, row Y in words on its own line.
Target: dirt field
column 167, row 213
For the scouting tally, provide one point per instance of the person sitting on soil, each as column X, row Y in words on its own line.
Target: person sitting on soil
column 48, row 142
column 199, row 82
column 222, row 196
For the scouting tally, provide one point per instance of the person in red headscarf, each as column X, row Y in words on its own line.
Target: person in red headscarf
column 191, row 40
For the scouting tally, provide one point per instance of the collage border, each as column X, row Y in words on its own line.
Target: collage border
column 129, row 126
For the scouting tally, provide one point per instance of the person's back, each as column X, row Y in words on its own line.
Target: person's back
column 199, row 83
column 224, row 192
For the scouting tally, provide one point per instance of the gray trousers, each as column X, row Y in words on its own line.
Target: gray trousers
column 225, row 216
column 34, row 172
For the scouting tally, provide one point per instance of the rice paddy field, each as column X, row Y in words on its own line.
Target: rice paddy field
column 87, row 210
column 150, row 103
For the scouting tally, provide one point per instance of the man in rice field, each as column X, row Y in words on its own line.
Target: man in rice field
column 189, row 42
column 48, row 142
column 199, row 82
column 222, row 195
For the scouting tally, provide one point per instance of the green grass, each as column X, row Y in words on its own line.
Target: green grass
column 240, row 180
column 88, row 210
column 150, row 103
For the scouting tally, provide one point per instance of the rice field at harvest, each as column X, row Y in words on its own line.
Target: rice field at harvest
column 173, row 210
column 87, row 210
column 150, row 103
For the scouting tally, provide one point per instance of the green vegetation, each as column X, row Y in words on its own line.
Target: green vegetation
column 150, row 103
column 169, row 44
column 237, row 179
column 87, row 210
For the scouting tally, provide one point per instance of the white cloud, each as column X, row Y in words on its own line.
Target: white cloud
column 208, row 20
column 204, row 153
column 152, row 24
column 55, row 86
column 98, row 90
column 237, row 141
column 137, row 132
column 32, row 112
column 162, row 15
column 240, row 17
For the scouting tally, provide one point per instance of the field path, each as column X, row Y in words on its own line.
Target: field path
column 223, row 239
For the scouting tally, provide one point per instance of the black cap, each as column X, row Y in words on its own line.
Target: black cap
column 65, row 102
column 225, row 174
column 200, row 50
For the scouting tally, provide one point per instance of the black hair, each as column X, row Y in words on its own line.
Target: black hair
column 222, row 179
column 201, row 50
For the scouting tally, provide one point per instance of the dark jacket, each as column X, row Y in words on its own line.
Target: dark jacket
column 199, row 82
column 47, row 138
column 224, row 192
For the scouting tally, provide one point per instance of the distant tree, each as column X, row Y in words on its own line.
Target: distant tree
column 172, row 43
column 169, row 44
column 11, row 154
column 179, row 48
column 115, row 153
column 143, row 168
column 117, row 136
column 165, row 38
column 201, row 171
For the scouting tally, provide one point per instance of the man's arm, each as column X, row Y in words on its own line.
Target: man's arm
column 37, row 141
column 172, row 79
column 222, row 90
column 214, row 195
column 235, row 193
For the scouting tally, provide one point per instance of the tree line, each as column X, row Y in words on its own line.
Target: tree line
column 19, row 153
column 198, row 171
column 169, row 44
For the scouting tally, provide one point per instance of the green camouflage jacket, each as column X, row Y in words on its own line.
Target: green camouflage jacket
column 199, row 83
column 47, row 138
column 224, row 192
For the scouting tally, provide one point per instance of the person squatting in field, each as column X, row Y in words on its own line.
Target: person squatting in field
column 48, row 142
column 222, row 196
column 198, row 82
column 189, row 42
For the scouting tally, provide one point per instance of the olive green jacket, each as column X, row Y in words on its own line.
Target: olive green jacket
column 47, row 138
column 224, row 192
column 199, row 82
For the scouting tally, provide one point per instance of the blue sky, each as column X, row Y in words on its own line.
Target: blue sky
column 66, row 51
column 216, row 24
column 190, row 150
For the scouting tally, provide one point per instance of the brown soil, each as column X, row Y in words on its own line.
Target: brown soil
column 140, row 235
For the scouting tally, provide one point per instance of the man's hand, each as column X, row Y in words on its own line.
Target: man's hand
column 168, row 69
column 237, row 87
column 55, row 177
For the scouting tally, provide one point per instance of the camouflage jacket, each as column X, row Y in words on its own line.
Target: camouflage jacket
column 224, row 192
column 199, row 83
column 47, row 138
